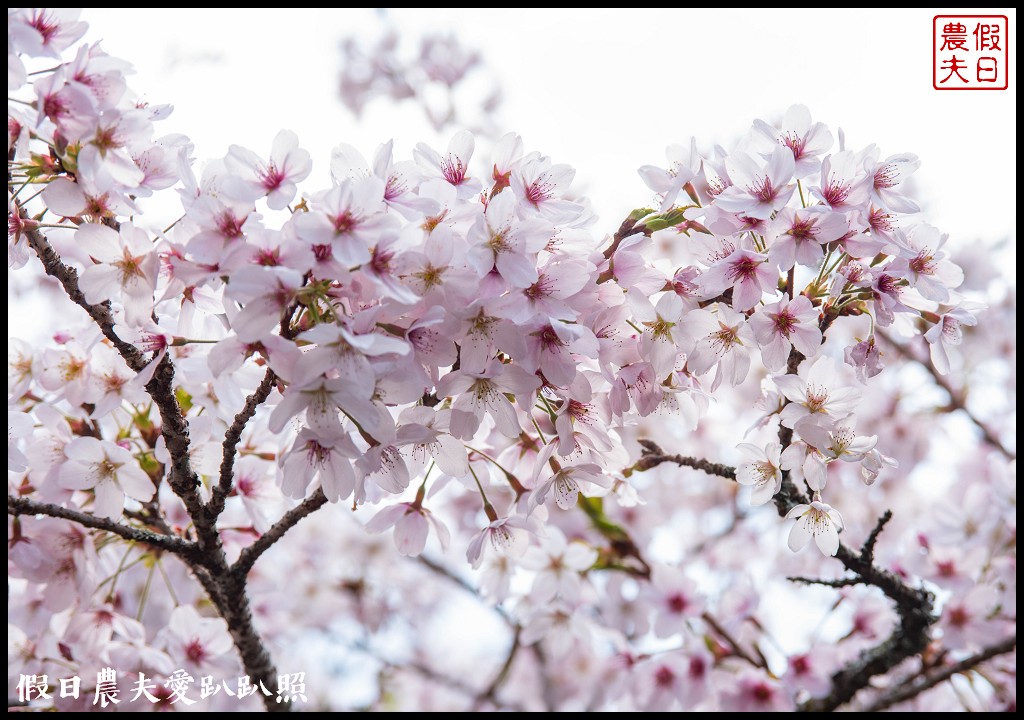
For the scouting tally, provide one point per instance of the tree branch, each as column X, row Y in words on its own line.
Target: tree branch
column 653, row 456
column 173, row 427
column 68, row 278
column 908, row 691
column 837, row 583
column 225, row 587
column 290, row 519
column 179, row 546
column 733, row 644
column 913, row 605
column 867, row 552
column 228, row 593
column 231, row 439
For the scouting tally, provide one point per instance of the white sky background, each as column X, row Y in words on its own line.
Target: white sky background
column 602, row 90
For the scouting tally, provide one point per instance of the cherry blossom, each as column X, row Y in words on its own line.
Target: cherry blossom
column 450, row 344
column 763, row 472
column 108, row 470
column 818, row 522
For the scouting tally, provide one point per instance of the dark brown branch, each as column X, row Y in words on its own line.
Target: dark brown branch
column 231, row 439
column 867, row 551
column 908, row 691
column 179, row 546
column 654, row 456
column 68, row 278
column 251, row 554
column 837, row 583
column 228, row 593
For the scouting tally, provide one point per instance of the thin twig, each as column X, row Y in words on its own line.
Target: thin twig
column 654, row 456
column 290, row 519
column 837, row 583
column 867, row 551
column 232, row 437
column 491, row 692
column 733, row 644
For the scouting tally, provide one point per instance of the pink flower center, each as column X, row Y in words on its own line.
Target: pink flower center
column 228, row 225
column 836, row 191
column 396, row 187
column 887, row 176
column 46, row 25
column 795, row 143
column 540, row 289
column 194, row 651
column 664, row 677
column 453, row 170
column 539, row 191
column 923, row 264
column 802, row 229
column 762, row 189
column 344, row 223
column 745, row 268
column 678, row 603
column 272, row 178
column 958, row 617
column 879, row 220
column 269, row 257
column 817, row 398
column 762, row 693
column 697, row 667
column 784, row 323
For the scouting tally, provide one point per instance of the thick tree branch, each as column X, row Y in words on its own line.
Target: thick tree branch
column 290, row 519
column 228, row 593
column 908, row 691
column 179, row 546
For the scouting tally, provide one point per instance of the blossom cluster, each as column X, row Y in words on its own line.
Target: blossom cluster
column 449, row 342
